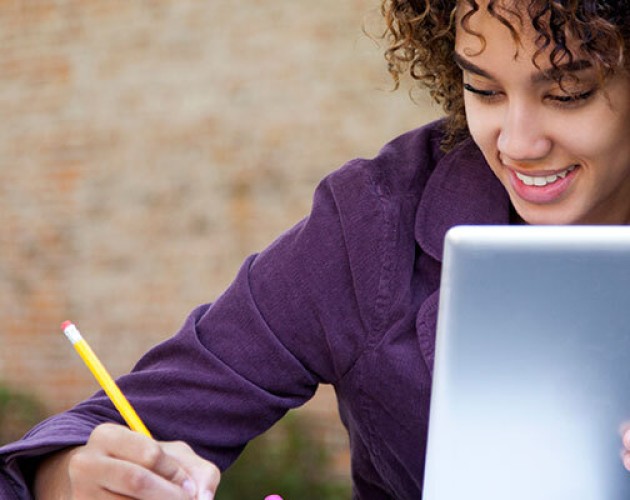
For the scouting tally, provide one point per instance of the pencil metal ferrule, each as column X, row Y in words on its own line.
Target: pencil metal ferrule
column 73, row 334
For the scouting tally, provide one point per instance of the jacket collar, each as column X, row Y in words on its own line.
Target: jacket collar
column 461, row 190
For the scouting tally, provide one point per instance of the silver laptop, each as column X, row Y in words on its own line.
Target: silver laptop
column 532, row 370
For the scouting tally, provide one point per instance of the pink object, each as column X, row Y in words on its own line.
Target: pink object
column 273, row 497
column 66, row 324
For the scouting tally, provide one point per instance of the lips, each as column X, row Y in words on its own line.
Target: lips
column 543, row 187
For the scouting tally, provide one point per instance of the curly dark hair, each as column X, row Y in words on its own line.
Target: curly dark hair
column 421, row 40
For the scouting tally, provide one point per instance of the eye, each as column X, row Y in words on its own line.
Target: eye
column 572, row 100
column 486, row 95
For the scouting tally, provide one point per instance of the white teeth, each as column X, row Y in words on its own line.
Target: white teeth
column 540, row 181
column 543, row 180
column 527, row 180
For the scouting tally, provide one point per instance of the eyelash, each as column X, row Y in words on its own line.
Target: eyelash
column 562, row 101
column 474, row 90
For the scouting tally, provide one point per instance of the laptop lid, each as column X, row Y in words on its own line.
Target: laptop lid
column 532, row 368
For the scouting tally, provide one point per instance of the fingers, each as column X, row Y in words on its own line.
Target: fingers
column 119, row 463
column 625, row 439
column 205, row 474
column 106, row 477
column 119, row 442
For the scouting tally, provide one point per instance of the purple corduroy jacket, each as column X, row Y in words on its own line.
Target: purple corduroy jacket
column 347, row 297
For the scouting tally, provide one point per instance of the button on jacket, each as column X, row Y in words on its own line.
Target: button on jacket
column 347, row 297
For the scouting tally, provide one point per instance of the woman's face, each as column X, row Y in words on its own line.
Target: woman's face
column 562, row 155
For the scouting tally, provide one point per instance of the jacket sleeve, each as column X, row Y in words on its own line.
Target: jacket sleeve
column 296, row 315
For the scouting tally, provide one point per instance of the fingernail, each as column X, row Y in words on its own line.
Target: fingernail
column 189, row 487
column 206, row 495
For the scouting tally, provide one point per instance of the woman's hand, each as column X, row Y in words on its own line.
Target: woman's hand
column 119, row 463
column 625, row 437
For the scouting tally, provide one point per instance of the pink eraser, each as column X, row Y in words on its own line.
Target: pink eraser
column 273, row 497
column 65, row 325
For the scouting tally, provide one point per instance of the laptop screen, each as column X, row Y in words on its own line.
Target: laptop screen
column 532, row 371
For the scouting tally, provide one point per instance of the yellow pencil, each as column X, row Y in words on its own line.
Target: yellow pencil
column 104, row 378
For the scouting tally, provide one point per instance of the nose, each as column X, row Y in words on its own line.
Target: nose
column 523, row 135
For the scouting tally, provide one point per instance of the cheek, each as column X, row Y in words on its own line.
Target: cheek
column 482, row 127
column 596, row 140
column 603, row 130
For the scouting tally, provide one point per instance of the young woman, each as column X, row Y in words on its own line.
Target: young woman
column 537, row 98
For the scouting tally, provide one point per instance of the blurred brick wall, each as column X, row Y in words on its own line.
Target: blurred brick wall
column 147, row 147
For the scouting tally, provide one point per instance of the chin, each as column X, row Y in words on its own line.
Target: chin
column 549, row 217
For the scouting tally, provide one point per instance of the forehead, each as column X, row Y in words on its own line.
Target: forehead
column 507, row 8
column 508, row 25
column 505, row 16
column 478, row 30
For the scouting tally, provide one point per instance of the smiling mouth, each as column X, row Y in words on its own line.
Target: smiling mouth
column 543, row 180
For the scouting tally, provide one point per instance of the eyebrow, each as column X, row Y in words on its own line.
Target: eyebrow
column 551, row 74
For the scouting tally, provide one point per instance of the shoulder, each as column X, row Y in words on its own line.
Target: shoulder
column 402, row 167
column 329, row 276
column 374, row 201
